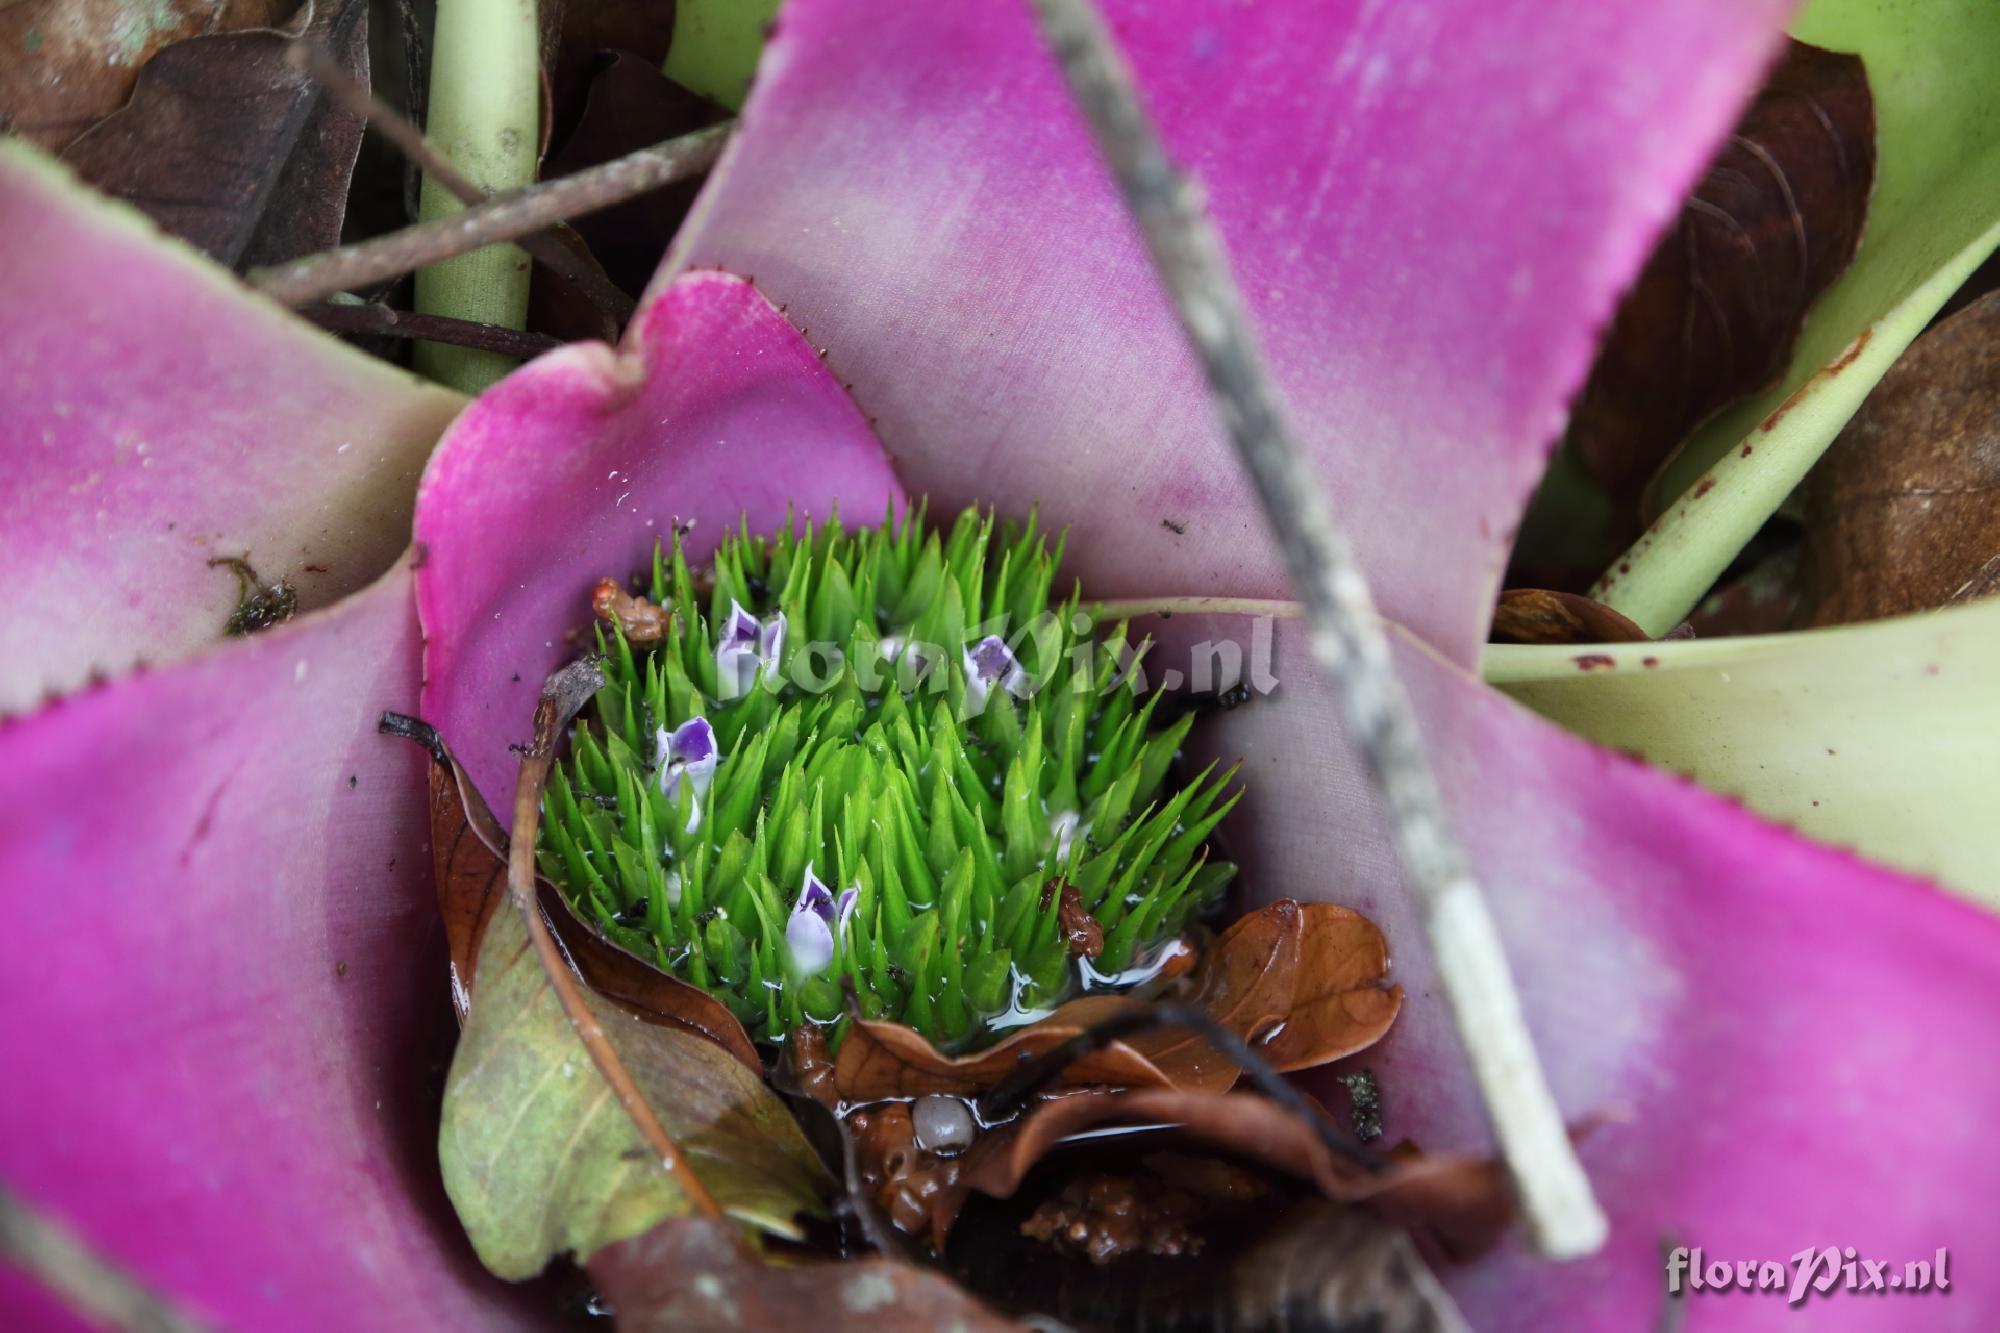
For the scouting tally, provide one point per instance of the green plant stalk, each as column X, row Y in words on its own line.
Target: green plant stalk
column 716, row 46
column 1668, row 570
column 485, row 100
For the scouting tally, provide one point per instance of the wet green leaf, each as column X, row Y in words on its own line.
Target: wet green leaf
column 539, row 1157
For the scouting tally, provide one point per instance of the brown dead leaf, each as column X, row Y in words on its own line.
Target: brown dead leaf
column 1462, row 1201
column 1303, row 982
column 1718, row 307
column 878, row 1059
column 229, row 147
column 1304, row 979
column 1765, row 600
column 66, row 64
column 690, row 1276
column 1339, row 1005
column 469, row 859
column 640, row 988
column 1903, row 513
column 564, row 308
column 1537, row 615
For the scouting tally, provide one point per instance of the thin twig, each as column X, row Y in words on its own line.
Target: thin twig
column 90, row 1285
column 563, row 696
column 383, row 321
column 542, row 246
column 504, row 217
column 1033, row 1075
column 1347, row 639
column 1132, row 608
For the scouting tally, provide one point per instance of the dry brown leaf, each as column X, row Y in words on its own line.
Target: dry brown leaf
column 228, row 146
column 1339, row 1005
column 878, row 1059
column 1462, row 1201
column 1538, row 615
column 1716, row 311
column 1903, row 513
column 67, row 64
column 689, row 1276
column 1304, row 978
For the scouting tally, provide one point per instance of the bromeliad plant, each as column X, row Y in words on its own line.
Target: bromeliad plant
column 1434, row 206
column 881, row 756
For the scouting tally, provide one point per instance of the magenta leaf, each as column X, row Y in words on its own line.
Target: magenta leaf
column 159, row 415
column 225, row 974
column 1785, row 1046
column 715, row 411
column 1431, row 209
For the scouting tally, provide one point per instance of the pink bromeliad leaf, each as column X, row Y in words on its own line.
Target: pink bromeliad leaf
column 1775, row 1040
column 1431, row 208
column 158, row 415
column 714, row 412
column 222, row 971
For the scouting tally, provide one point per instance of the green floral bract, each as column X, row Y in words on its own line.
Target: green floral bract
column 867, row 765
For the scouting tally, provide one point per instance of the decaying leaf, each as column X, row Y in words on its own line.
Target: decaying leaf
column 1903, row 513
column 66, row 64
column 688, row 1276
column 1339, row 1005
column 1462, row 1201
column 229, row 147
column 568, row 309
column 878, row 1059
column 1718, row 308
column 1537, row 615
column 540, row 1159
column 1192, row 1242
column 1334, row 1269
column 469, row 856
column 1305, row 980
column 1764, row 600
column 584, row 33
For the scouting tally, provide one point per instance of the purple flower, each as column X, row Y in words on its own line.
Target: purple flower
column 990, row 663
column 688, row 751
column 817, row 919
column 750, row 649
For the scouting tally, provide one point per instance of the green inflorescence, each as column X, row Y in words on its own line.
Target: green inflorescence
column 869, row 766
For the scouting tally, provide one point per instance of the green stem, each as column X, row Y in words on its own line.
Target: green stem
column 484, row 117
column 716, row 46
column 1667, row 571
